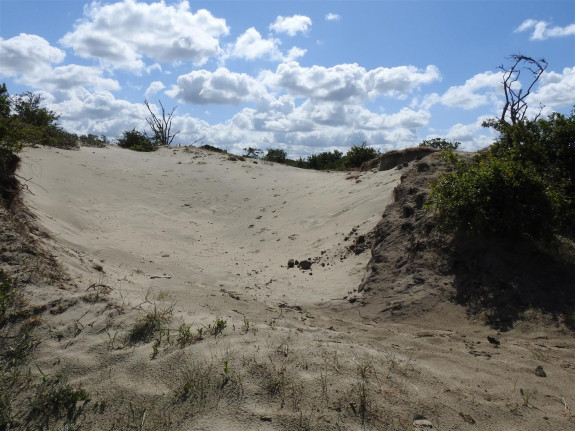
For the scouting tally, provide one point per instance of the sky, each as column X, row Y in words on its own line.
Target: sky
column 304, row 76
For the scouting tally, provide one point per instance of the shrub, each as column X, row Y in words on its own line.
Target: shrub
column 496, row 196
column 212, row 148
column 440, row 144
column 359, row 154
column 276, row 155
column 93, row 141
column 252, row 153
column 136, row 141
column 59, row 138
column 325, row 160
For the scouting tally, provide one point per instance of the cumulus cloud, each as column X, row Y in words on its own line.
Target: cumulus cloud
column 221, row 87
column 252, row 46
column 291, row 25
column 31, row 60
column 154, row 87
column 348, row 82
column 479, row 90
column 541, row 30
column 556, row 89
column 98, row 112
column 332, row 17
column 121, row 34
column 27, row 54
column 72, row 76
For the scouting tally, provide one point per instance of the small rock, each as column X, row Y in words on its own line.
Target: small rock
column 291, row 263
column 305, row 264
column 422, row 424
column 540, row 372
column 493, row 340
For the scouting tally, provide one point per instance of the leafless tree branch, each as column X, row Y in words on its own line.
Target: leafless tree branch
column 515, row 107
column 161, row 126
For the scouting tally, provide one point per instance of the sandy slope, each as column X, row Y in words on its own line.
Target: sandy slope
column 205, row 221
column 223, row 232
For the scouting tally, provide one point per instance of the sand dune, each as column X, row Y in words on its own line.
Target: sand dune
column 212, row 237
column 206, row 221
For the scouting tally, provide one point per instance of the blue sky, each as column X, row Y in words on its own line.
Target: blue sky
column 305, row 76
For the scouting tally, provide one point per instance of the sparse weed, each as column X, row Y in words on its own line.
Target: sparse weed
column 203, row 387
column 527, row 395
column 540, row 355
column 137, row 418
column 274, row 379
column 245, row 326
column 8, row 294
column 97, row 291
column 362, row 396
column 55, row 399
column 217, row 328
column 17, row 349
column 185, row 336
column 147, row 326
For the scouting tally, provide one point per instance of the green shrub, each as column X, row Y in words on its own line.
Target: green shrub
column 252, row 153
column 136, row 141
column 59, row 138
column 212, row 148
column 359, row 154
column 276, row 155
column 93, row 141
column 496, row 196
column 326, row 160
column 440, row 144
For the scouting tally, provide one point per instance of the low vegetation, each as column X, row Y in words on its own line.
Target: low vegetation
column 136, row 141
column 521, row 186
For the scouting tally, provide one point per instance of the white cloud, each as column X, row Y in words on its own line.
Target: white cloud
column 291, row 25
column 479, row 90
column 252, row 46
column 27, row 54
column 332, row 17
column 73, row 76
column 97, row 112
column 556, row 89
column 153, row 88
column 121, row 34
column 348, row 83
column 221, row 87
column 542, row 31
column 398, row 81
column 31, row 58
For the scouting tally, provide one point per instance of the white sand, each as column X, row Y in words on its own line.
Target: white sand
column 223, row 232
column 207, row 222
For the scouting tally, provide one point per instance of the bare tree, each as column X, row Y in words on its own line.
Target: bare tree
column 515, row 93
column 161, row 127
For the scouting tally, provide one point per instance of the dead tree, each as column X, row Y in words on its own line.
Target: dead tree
column 515, row 93
column 161, row 127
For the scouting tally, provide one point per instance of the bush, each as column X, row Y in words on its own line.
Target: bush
column 496, row 196
column 524, row 184
column 93, row 141
column 136, row 141
column 276, row 155
column 359, row 154
column 326, row 160
column 212, row 148
column 59, row 138
column 440, row 144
